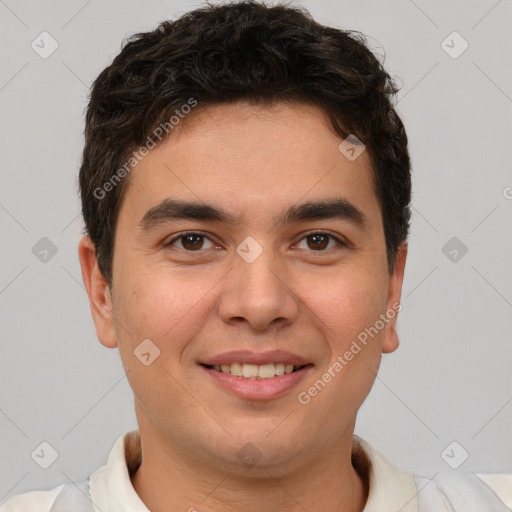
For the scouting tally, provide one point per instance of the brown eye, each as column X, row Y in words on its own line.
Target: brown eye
column 192, row 242
column 319, row 241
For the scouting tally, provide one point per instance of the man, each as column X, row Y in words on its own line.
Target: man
column 246, row 190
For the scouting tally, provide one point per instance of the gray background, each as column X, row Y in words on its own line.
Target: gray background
column 450, row 379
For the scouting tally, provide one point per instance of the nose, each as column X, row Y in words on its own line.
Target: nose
column 259, row 294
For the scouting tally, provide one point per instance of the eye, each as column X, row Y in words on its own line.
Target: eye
column 191, row 241
column 319, row 241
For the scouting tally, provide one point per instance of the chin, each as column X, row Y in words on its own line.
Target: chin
column 263, row 450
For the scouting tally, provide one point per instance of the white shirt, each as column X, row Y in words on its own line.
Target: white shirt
column 110, row 489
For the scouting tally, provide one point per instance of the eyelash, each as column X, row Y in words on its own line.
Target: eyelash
column 340, row 242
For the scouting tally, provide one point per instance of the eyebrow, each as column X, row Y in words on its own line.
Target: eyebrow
column 175, row 209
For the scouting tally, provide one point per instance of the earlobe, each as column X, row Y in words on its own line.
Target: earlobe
column 100, row 298
column 390, row 340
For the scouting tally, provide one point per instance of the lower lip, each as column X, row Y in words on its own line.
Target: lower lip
column 258, row 389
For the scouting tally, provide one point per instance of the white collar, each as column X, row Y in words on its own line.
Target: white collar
column 111, row 489
column 390, row 489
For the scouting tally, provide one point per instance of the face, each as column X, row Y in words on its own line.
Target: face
column 285, row 268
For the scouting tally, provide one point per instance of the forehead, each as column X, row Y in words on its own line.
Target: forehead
column 250, row 160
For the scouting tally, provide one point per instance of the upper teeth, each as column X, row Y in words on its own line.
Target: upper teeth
column 252, row 371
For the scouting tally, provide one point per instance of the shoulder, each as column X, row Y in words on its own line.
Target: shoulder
column 465, row 491
column 78, row 496
column 65, row 497
column 447, row 491
column 42, row 501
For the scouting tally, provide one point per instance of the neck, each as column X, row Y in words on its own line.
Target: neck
column 329, row 483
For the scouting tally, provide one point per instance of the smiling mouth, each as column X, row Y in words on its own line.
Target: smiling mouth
column 255, row 371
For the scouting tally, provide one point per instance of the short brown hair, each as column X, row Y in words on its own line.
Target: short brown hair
column 240, row 51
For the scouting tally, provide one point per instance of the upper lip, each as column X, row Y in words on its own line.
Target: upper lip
column 259, row 358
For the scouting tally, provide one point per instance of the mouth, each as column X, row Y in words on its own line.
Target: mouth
column 260, row 377
column 256, row 371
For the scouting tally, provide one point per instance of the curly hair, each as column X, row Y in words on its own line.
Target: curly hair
column 241, row 51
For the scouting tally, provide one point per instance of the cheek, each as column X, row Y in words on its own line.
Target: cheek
column 345, row 379
column 167, row 308
column 347, row 303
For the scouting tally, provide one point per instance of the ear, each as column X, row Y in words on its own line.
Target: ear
column 98, row 291
column 390, row 339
